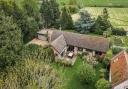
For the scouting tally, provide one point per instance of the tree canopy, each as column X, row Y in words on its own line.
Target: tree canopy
column 10, row 41
column 66, row 19
column 50, row 13
column 87, row 73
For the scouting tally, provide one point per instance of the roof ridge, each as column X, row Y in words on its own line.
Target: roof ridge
column 123, row 51
column 59, row 37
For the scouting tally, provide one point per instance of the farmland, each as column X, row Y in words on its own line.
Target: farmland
column 100, row 3
column 117, row 16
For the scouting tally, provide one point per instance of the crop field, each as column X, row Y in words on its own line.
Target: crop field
column 117, row 16
column 100, row 3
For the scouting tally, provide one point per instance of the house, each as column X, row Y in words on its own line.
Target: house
column 63, row 42
column 119, row 71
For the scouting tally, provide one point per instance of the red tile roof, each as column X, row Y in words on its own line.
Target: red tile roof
column 119, row 68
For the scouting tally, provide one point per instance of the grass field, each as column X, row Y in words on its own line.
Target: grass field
column 123, row 3
column 118, row 16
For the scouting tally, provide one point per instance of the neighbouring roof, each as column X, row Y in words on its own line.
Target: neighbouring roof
column 84, row 41
column 59, row 44
column 119, row 68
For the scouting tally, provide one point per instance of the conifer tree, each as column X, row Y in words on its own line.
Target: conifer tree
column 50, row 13
column 66, row 19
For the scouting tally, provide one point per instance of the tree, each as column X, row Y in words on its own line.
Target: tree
column 107, row 33
column 31, row 8
column 50, row 13
column 10, row 42
column 87, row 74
column 105, row 13
column 66, row 19
column 102, row 23
column 27, row 24
column 85, row 23
column 102, row 84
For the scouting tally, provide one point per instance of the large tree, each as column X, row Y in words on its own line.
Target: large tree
column 31, row 8
column 102, row 23
column 66, row 19
column 10, row 41
column 50, row 13
column 26, row 23
column 85, row 23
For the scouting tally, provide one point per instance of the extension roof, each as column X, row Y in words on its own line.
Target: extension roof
column 119, row 68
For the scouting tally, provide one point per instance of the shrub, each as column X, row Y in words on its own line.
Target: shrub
column 87, row 74
column 102, row 84
column 116, row 50
column 38, row 52
column 119, row 31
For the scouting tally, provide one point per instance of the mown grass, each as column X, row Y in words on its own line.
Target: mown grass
column 71, row 75
column 101, row 3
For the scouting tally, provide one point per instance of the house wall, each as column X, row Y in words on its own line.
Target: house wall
column 42, row 37
column 123, row 85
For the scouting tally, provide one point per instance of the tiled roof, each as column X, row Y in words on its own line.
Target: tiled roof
column 59, row 44
column 119, row 68
column 84, row 41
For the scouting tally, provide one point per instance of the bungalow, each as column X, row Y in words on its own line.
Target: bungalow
column 63, row 42
column 119, row 71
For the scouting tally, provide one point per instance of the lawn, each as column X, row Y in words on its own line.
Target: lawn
column 71, row 76
column 118, row 16
column 100, row 3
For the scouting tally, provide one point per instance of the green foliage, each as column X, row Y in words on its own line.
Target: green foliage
column 102, row 84
column 87, row 74
column 107, row 33
column 26, row 23
column 50, row 13
column 38, row 52
column 119, row 31
column 31, row 8
column 103, row 24
column 66, row 19
column 10, row 41
column 116, row 50
column 31, row 74
column 85, row 23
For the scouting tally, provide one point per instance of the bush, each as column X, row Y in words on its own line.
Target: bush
column 64, row 62
column 87, row 74
column 119, row 31
column 31, row 74
column 116, row 50
column 38, row 52
column 102, row 84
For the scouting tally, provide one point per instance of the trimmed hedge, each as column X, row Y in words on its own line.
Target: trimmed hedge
column 119, row 31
